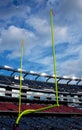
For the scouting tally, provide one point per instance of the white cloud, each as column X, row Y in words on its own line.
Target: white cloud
column 39, row 24
column 46, row 60
column 71, row 62
column 67, row 29
column 11, row 39
column 78, row 4
column 71, row 67
column 61, row 34
column 48, row 42
column 14, row 54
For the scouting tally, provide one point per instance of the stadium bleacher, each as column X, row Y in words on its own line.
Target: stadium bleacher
column 42, row 123
column 37, row 94
column 10, row 107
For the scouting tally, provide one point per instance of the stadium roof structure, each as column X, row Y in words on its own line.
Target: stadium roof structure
column 37, row 75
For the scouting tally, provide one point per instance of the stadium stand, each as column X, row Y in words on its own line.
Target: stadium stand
column 42, row 123
column 37, row 94
column 9, row 106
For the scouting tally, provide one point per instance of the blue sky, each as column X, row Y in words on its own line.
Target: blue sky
column 30, row 20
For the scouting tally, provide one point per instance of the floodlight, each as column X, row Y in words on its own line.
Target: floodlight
column 73, row 78
column 53, row 75
column 8, row 67
column 44, row 74
column 33, row 72
column 19, row 69
column 66, row 77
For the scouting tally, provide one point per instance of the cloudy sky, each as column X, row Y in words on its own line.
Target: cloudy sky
column 30, row 20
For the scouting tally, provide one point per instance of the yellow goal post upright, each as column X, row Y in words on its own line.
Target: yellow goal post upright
column 54, row 56
column 21, row 61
